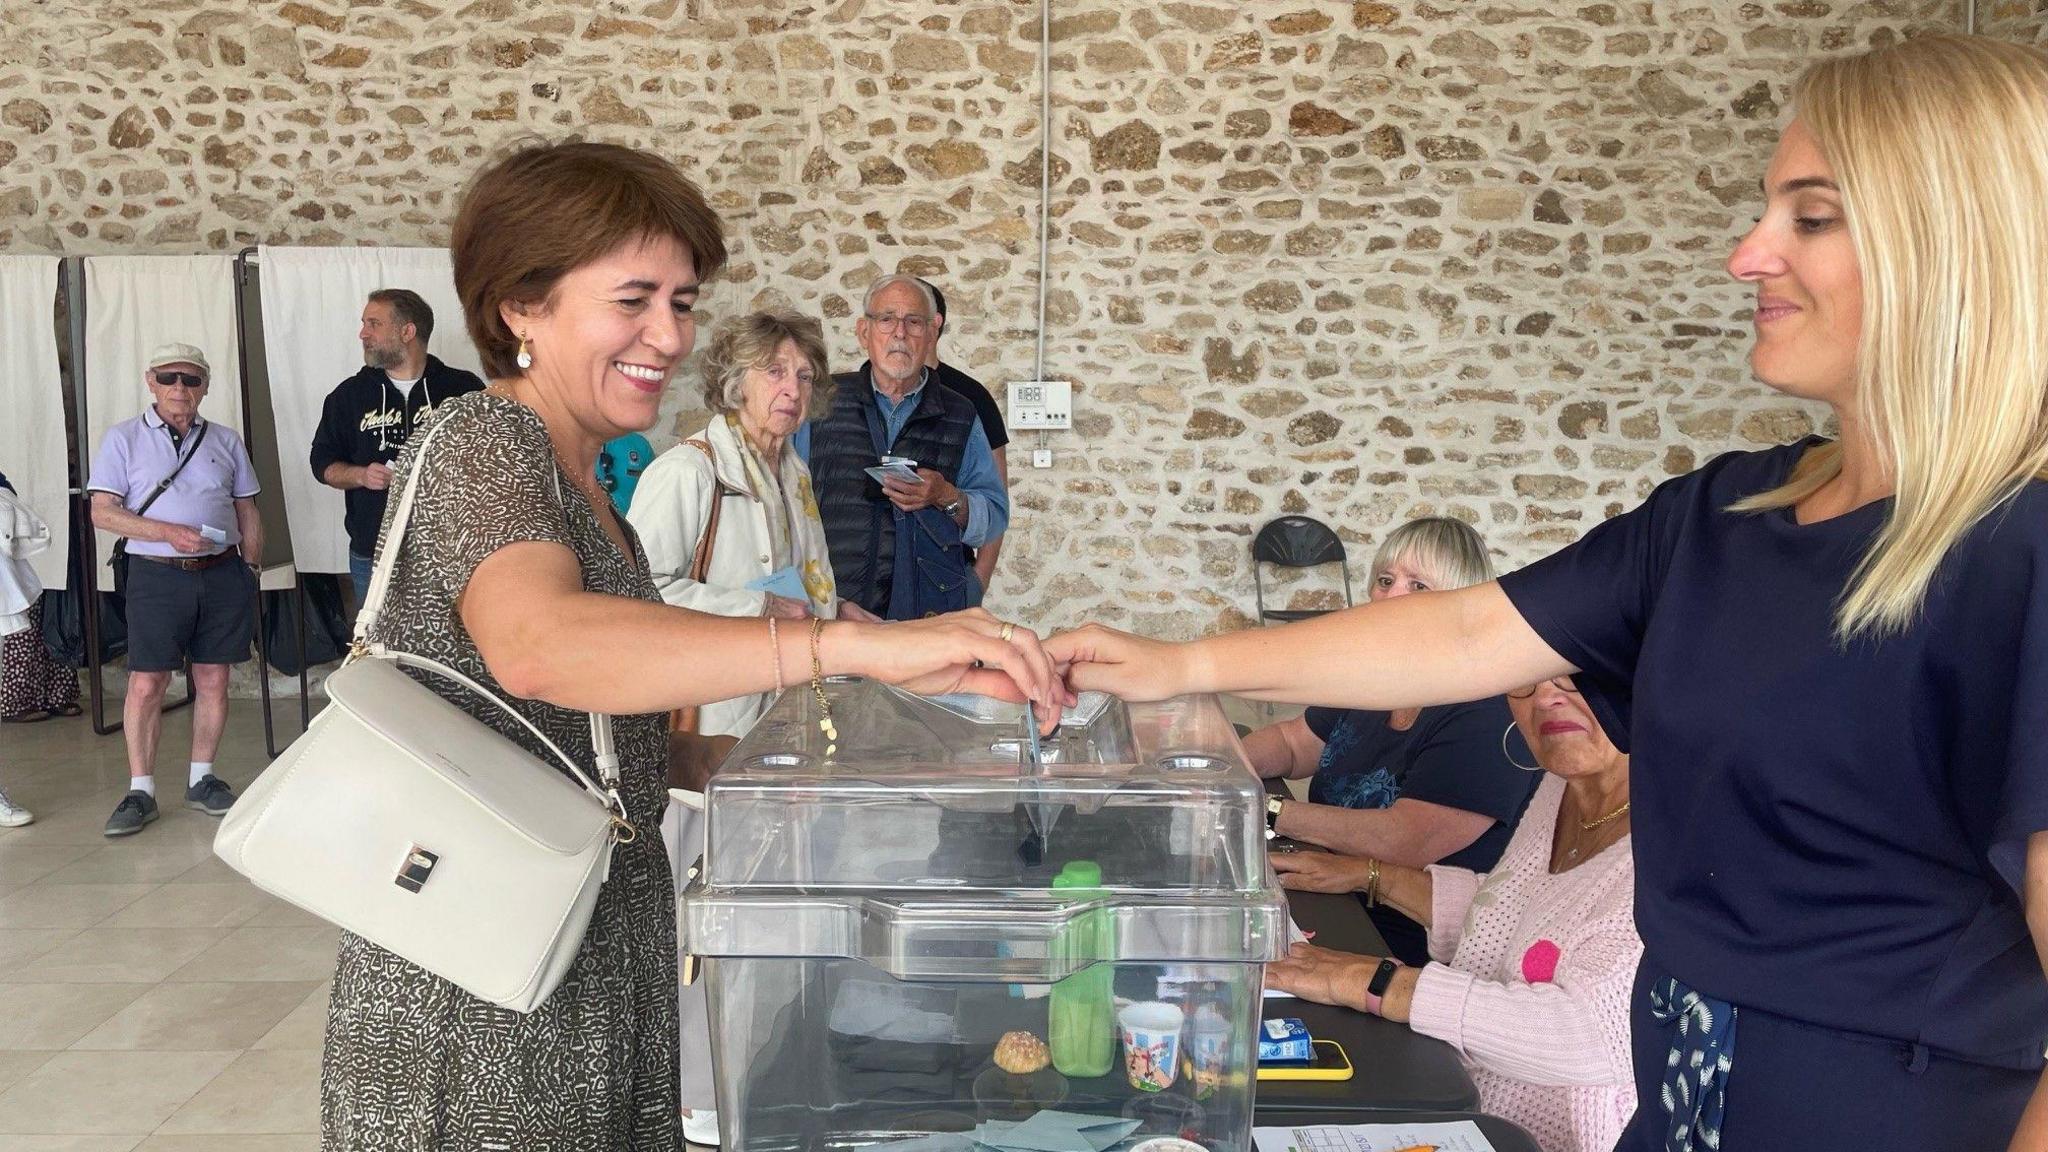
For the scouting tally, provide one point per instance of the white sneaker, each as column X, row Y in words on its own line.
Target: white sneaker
column 700, row 1126
column 13, row 815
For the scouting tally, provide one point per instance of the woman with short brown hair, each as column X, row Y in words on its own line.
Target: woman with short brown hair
column 579, row 267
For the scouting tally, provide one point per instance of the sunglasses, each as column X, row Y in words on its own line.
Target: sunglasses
column 1561, row 683
column 179, row 380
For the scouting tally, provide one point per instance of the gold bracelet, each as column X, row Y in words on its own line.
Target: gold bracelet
column 775, row 644
column 825, row 724
column 1372, row 885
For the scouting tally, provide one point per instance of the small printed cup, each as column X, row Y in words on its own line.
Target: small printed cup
column 1211, row 1044
column 1151, row 1035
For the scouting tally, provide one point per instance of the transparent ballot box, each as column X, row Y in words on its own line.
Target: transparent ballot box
column 928, row 935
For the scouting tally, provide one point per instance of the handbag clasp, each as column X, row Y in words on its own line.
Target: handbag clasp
column 416, row 869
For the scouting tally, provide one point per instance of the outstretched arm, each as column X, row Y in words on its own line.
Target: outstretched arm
column 1429, row 648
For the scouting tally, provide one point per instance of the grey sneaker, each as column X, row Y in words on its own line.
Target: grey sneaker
column 13, row 815
column 211, row 796
column 136, row 809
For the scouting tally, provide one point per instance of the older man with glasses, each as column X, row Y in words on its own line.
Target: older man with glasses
column 181, row 492
column 898, row 535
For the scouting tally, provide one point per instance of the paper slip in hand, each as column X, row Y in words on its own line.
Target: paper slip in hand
column 904, row 473
column 217, row 535
column 1457, row 1136
column 783, row 582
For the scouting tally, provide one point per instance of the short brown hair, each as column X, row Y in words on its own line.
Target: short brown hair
column 531, row 217
column 409, row 308
column 749, row 342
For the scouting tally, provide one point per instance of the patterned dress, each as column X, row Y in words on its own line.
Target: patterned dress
column 413, row 1063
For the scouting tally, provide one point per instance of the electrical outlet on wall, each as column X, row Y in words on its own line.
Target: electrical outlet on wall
column 1041, row 458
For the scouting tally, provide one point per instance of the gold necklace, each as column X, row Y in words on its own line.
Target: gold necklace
column 1618, row 813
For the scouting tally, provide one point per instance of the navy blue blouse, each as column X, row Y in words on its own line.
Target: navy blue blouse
column 1836, row 835
column 1455, row 755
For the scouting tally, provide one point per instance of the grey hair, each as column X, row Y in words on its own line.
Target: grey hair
column 924, row 293
column 1450, row 550
column 751, row 341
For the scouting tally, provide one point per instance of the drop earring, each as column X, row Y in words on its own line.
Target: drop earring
column 525, row 357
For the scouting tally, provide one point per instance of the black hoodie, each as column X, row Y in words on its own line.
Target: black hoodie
column 366, row 421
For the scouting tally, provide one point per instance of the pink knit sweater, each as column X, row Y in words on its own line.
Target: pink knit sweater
column 1531, row 983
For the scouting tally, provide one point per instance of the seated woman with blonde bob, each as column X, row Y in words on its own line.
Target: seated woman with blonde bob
column 1531, row 963
column 1413, row 786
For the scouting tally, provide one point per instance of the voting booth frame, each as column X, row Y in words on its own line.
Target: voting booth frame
column 276, row 575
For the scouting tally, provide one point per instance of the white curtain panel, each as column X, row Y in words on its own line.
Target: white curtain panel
column 135, row 303
column 32, row 404
column 312, row 311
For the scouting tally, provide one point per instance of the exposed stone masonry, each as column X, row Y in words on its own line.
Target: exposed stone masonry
column 1361, row 260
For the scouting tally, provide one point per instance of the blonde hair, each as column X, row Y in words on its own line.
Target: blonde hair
column 750, row 342
column 1940, row 147
column 1450, row 550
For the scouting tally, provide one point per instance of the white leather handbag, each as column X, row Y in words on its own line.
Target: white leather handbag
column 405, row 820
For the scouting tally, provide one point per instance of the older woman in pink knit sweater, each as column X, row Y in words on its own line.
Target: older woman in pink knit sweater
column 1531, row 963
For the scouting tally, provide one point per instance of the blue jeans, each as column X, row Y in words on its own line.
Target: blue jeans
column 359, row 575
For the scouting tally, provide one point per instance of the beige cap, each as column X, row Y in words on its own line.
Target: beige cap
column 175, row 353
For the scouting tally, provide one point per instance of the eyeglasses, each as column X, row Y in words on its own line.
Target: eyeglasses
column 912, row 323
column 1561, row 683
column 180, row 380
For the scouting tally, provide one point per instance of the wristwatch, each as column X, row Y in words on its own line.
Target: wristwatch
column 1383, row 976
column 1273, row 805
column 952, row 508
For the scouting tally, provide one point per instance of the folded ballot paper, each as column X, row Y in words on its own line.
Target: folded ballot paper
column 1048, row 1131
column 783, row 582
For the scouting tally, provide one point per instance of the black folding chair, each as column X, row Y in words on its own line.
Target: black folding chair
column 1296, row 542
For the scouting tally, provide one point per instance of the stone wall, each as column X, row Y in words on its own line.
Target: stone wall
column 1362, row 260
column 2023, row 20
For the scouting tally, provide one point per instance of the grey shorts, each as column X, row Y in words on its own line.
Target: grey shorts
column 174, row 615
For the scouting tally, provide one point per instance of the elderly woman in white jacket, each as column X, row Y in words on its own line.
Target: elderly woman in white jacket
column 762, row 376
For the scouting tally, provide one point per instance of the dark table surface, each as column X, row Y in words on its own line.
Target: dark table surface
column 1397, row 1069
column 1504, row 1135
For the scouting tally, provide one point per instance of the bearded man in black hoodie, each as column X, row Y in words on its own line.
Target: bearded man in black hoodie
column 368, row 416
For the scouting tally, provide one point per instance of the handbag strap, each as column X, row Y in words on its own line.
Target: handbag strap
column 686, row 718
column 602, row 747
column 700, row 561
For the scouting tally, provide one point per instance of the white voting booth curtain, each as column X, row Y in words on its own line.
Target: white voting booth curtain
column 32, row 404
column 133, row 304
column 312, row 312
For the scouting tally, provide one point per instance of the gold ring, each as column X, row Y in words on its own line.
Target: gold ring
column 1008, row 631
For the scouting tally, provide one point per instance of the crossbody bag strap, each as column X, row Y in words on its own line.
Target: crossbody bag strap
column 601, row 744
column 164, row 485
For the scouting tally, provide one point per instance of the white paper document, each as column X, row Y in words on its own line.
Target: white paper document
column 1456, row 1136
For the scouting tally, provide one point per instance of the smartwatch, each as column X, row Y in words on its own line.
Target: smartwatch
column 1382, row 977
column 1273, row 804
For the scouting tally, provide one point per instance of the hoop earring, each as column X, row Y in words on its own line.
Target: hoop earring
column 1511, row 756
column 525, row 357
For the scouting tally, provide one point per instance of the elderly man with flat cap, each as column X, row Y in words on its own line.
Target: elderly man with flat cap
column 181, row 492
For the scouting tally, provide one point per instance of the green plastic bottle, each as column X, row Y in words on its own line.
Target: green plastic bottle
column 1083, row 1013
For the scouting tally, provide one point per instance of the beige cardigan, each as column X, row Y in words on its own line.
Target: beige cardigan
column 670, row 508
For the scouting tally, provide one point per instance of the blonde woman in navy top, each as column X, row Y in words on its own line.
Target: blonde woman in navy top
column 1829, row 660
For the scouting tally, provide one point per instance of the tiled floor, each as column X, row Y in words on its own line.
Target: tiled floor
column 150, row 999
